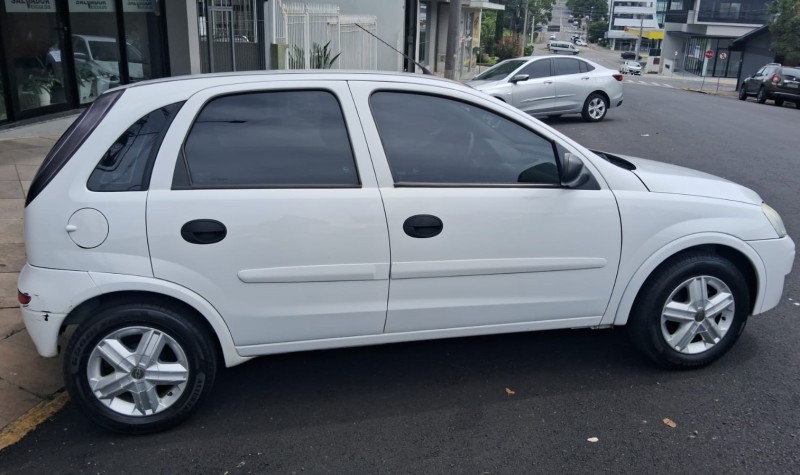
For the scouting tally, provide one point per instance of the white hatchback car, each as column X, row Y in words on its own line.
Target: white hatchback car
column 183, row 223
column 553, row 85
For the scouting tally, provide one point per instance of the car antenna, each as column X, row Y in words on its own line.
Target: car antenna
column 424, row 69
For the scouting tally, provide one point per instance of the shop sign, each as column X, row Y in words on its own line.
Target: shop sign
column 30, row 6
column 91, row 6
column 139, row 6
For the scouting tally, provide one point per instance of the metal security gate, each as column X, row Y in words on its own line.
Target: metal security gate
column 230, row 35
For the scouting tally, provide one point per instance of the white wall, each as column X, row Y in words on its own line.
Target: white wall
column 391, row 21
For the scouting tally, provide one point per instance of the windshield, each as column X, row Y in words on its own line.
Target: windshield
column 501, row 70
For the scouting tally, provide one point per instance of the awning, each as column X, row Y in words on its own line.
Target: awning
column 650, row 34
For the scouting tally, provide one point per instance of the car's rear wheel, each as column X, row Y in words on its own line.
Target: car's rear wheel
column 595, row 108
column 743, row 93
column 691, row 311
column 139, row 368
column 762, row 95
column 779, row 102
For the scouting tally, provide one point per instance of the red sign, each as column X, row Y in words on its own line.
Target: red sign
column 709, row 54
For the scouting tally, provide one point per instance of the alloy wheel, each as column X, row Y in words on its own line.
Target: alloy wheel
column 137, row 371
column 597, row 108
column 697, row 315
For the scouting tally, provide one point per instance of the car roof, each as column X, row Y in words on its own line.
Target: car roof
column 202, row 81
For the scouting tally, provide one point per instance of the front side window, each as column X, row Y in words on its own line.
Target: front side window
column 268, row 139
column 435, row 140
column 537, row 69
column 500, row 71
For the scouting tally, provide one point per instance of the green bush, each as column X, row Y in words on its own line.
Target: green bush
column 507, row 48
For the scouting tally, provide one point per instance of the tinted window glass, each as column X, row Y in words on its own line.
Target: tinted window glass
column 269, row 139
column 585, row 67
column 72, row 139
column 501, row 70
column 537, row 69
column 564, row 66
column 126, row 165
column 431, row 139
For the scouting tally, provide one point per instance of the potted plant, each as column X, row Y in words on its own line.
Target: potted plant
column 85, row 79
column 35, row 91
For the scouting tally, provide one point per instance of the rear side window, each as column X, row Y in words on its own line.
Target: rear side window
column 564, row 66
column 278, row 139
column 127, row 164
column 585, row 67
column 72, row 139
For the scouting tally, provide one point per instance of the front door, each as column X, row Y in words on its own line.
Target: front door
column 482, row 233
column 535, row 95
column 272, row 214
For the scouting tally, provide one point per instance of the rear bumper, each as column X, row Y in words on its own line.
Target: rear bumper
column 778, row 258
column 54, row 293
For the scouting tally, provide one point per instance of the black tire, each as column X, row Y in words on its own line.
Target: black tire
column 185, row 345
column 762, row 95
column 648, row 330
column 743, row 93
column 592, row 110
column 779, row 102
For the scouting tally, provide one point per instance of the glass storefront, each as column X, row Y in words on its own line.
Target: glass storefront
column 60, row 54
column 723, row 62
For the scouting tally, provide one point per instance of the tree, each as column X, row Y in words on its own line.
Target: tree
column 597, row 29
column 785, row 29
column 594, row 9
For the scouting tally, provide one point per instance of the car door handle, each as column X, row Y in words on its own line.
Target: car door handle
column 423, row 226
column 203, row 231
column 548, row 82
column 585, row 78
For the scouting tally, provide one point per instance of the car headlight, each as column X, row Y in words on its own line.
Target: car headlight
column 774, row 219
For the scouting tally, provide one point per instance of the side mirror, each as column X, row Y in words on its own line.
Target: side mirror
column 519, row 77
column 573, row 173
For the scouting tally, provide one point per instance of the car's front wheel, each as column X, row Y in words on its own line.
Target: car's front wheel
column 595, row 108
column 138, row 367
column 743, row 93
column 691, row 311
column 762, row 95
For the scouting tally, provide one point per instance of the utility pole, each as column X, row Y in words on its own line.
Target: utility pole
column 524, row 32
column 452, row 39
column 639, row 41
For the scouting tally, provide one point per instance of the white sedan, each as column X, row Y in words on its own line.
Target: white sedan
column 185, row 224
column 631, row 67
column 553, row 85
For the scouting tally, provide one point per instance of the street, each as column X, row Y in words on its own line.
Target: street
column 524, row 403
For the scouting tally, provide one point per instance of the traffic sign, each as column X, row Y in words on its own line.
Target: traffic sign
column 723, row 55
column 709, row 54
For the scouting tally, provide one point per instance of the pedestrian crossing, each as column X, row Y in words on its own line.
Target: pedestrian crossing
column 648, row 83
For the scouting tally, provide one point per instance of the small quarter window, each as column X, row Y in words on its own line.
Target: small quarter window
column 268, row 140
column 127, row 164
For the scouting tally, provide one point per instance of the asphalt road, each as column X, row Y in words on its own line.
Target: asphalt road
column 443, row 407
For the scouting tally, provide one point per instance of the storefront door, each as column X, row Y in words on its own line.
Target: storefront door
column 60, row 54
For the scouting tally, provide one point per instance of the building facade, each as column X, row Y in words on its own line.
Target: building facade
column 627, row 15
column 699, row 34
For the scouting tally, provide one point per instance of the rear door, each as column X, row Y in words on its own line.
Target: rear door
column 264, row 202
column 572, row 86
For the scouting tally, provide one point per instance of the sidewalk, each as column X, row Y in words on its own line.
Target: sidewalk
column 26, row 379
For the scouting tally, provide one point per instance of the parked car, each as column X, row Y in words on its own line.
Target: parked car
column 100, row 56
column 184, row 224
column 553, row 37
column 553, row 85
column 628, row 55
column 580, row 42
column 631, row 67
column 773, row 81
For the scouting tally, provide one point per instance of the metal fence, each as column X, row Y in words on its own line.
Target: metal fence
column 230, row 37
column 319, row 37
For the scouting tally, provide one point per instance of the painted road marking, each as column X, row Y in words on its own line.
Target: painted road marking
column 18, row 429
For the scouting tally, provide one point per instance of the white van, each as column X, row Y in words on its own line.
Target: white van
column 562, row 47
